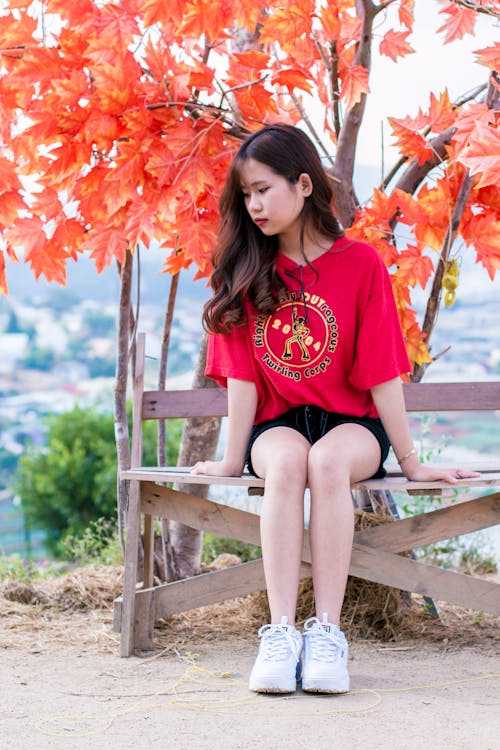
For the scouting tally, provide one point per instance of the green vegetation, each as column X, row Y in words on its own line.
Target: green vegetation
column 71, row 482
column 98, row 544
column 14, row 567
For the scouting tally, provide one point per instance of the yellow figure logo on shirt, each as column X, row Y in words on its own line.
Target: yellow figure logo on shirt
column 300, row 332
column 297, row 346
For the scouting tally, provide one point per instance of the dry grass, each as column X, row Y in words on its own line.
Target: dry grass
column 76, row 610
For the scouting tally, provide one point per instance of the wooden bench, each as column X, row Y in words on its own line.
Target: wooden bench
column 375, row 551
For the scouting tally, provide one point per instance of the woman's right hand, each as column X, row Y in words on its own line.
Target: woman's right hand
column 216, row 468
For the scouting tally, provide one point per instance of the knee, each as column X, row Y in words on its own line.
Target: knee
column 288, row 467
column 325, row 465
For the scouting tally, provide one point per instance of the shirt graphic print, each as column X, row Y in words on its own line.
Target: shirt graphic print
column 299, row 339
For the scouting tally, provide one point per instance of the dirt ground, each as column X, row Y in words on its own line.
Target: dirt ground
column 63, row 685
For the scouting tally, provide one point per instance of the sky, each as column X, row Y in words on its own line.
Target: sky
column 399, row 89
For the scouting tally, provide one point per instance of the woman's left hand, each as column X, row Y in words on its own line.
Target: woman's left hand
column 421, row 473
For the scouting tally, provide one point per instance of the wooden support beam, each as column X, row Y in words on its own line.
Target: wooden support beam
column 213, row 587
column 130, row 571
column 429, row 580
column 199, row 513
column 427, row 528
column 371, row 564
column 367, row 562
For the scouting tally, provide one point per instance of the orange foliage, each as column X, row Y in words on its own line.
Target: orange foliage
column 118, row 122
column 489, row 56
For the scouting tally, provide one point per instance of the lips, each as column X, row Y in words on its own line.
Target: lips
column 260, row 222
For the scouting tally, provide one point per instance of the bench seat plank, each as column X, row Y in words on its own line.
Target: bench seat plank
column 488, row 478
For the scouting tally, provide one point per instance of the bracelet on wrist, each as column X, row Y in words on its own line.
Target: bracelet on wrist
column 406, row 456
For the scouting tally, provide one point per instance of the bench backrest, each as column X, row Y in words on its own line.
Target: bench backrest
column 419, row 397
column 212, row 402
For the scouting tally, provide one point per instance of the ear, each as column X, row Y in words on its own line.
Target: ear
column 305, row 184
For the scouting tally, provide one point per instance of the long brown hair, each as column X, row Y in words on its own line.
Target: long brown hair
column 244, row 260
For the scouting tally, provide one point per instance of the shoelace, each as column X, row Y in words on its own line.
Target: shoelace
column 277, row 642
column 324, row 645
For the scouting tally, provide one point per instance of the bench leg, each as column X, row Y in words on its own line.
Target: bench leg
column 130, row 570
column 147, row 578
column 144, row 621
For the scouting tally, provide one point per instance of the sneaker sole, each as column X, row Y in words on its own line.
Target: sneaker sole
column 272, row 687
column 320, row 686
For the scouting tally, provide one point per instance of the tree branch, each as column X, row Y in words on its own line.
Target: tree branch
column 469, row 96
column 345, row 201
column 312, row 129
column 479, row 7
column 433, row 302
column 416, row 172
column 334, row 77
column 168, row 553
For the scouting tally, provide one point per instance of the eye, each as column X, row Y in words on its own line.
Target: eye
column 263, row 190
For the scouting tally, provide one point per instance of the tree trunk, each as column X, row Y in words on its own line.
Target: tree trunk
column 120, row 387
column 345, row 202
column 199, row 442
column 166, row 559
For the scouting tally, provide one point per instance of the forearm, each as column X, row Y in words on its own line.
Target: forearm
column 242, row 405
column 389, row 402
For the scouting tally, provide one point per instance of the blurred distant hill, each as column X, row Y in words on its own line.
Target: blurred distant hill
column 84, row 283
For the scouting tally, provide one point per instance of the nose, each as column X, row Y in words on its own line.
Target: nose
column 254, row 203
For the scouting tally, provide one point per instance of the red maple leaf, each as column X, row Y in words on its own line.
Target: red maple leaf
column 414, row 267
column 441, row 112
column 483, row 233
column 293, row 78
column 406, row 13
column 354, row 80
column 105, row 244
column 489, row 56
column 482, row 155
column 461, row 21
column 409, row 141
column 394, row 44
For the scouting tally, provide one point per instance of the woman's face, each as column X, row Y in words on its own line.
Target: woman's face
column 274, row 204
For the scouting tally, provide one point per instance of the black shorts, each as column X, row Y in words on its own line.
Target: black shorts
column 313, row 423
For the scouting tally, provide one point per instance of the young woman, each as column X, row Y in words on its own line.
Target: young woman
column 306, row 337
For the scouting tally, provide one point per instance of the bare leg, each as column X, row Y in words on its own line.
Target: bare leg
column 347, row 453
column 280, row 456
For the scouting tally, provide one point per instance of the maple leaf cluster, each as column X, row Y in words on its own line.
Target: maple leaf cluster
column 118, row 121
column 117, row 118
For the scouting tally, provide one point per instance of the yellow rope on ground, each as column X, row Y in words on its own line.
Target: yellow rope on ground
column 255, row 704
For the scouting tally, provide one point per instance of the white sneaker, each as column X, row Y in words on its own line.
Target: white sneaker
column 325, row 657
column 278, row 663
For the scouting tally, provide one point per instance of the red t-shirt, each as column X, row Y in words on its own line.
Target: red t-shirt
column 335, row 335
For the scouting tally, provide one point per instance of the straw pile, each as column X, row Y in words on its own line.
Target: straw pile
column 88, row 588
column 370, row 610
